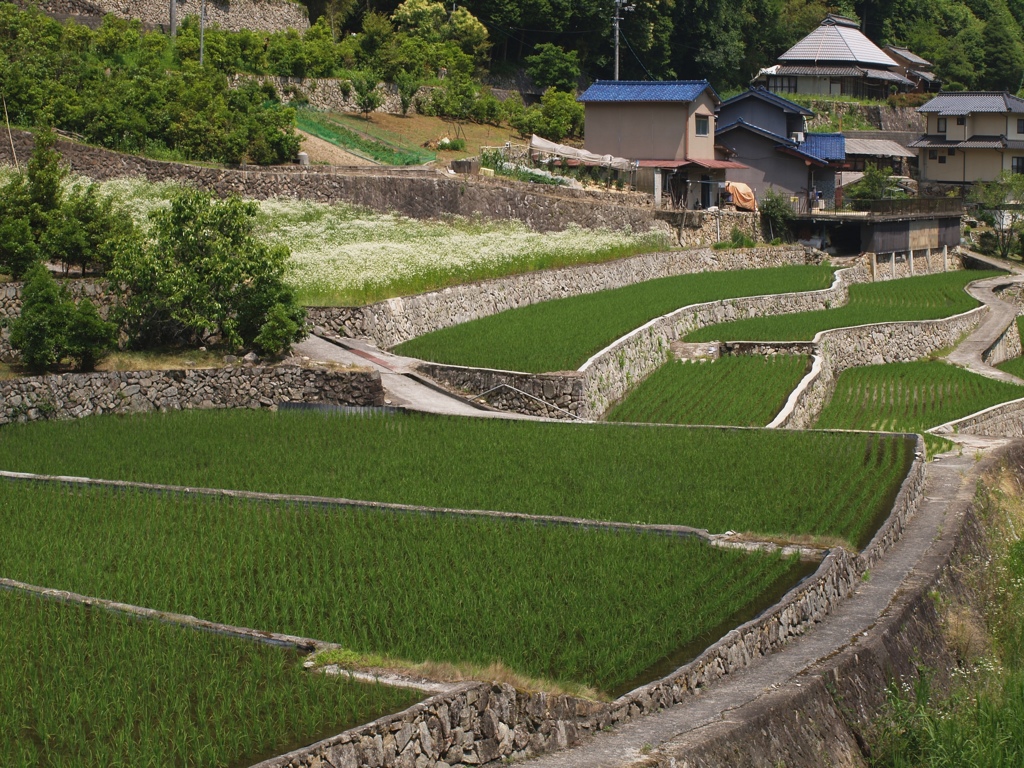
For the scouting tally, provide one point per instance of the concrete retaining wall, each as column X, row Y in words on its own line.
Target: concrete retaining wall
column 76, row 395
column 393, row 321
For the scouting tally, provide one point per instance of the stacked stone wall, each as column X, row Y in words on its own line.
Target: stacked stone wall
column 1006, row 347
column 257, row 15
column 843, row 348
column 420, row 194
column 895, row 266
column 485, row 723
column 393, row 321
column 1003, row 420
column 328, row 93
column 76, row 395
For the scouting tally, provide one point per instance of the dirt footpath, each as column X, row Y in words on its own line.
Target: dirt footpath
column 321, row 151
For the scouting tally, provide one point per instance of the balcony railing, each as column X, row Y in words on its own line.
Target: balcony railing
column 952, row 206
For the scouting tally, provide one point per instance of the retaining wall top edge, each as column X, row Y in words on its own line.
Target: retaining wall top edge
column 952, row 425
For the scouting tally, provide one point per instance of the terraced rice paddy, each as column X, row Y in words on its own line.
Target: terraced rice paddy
column 741, row 390
column 915, row 298
column 771, row 482
column 561, row 335
column 83, row 687
column 910, row 397
column 554, row 602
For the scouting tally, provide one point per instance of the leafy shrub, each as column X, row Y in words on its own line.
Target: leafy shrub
column 551, row 66
column 776, row 214
column 207, row 277
column 40, row 333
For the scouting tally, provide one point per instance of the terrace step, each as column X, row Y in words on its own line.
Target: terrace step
column 1001, row 315
column 403, row 387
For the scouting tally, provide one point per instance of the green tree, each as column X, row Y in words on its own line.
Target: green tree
column 551, row 66
column 1004, row 55
column 40, row 333
column 207, row 277
column 1003, row 198
column 367, row 96
column 776, row 215
column 89, row 335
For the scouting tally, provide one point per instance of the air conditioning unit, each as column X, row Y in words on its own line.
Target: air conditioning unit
column 797, row 136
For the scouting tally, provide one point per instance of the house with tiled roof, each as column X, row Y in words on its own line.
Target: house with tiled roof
column 835, row 59
column 914, row 68
column 971, row 136
column 667, row 127
column 767, row 135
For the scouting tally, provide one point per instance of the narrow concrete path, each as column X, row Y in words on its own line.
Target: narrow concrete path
column 402, row 386
column 947, row 477
column 1001, row 314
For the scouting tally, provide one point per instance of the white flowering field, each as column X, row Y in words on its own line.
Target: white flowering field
column 344, row 255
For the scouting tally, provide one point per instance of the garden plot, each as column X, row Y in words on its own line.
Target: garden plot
column 576, row 606
column 343, row 255
column 777, row 483
column 914, row 298
column 910, row 397
column 562, row 334
column 83, row 687
column 740, row 390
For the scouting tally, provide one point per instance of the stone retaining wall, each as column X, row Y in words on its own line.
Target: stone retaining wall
column 420, row 194
column 696, row 228
column 549, row 395
column 484, row 723
column 888, row 266
column 1006, row 347
column 828, row 713
column 76, row 395
column 1003, row 420
column 393, row 321
column 843, row 348
column 326, row 93
column 258, row 15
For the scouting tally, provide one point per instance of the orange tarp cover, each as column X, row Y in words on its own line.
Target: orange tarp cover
column 742, row 195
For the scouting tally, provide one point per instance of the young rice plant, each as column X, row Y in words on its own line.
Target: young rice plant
column 85, row 688
column 555, row 602
column 561, row 335
column 741, row 390
column 764, row 481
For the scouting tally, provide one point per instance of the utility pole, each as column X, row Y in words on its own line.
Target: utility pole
column 202, row 29
column 174, row 19
column 620, row 7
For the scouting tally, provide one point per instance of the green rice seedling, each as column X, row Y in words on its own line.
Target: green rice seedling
column 554, row 602
column 328, row 129
column 741, row 390
column 914, row 298
column 561, row 335
column 818, row 483
column 910, row 397
column 84, row 688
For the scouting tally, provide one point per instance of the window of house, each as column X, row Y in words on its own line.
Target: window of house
column 950, row 151
column 1020, row 125
column 702, row 125
column 933, row 154
column 961, row 121
column 1017, row 164
column 941, row 125
column 942, row 159
column 778, row 84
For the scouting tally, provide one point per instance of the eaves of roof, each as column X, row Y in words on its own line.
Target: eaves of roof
column 772, row 98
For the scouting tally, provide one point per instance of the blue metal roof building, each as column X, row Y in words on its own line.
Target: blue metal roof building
column 621, row 91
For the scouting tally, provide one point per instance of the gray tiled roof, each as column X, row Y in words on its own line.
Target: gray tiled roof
column 813, row 71
column 909, row 55
column 967, row 102
column 975, row 142
column 837, row 42
column 883, row 74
